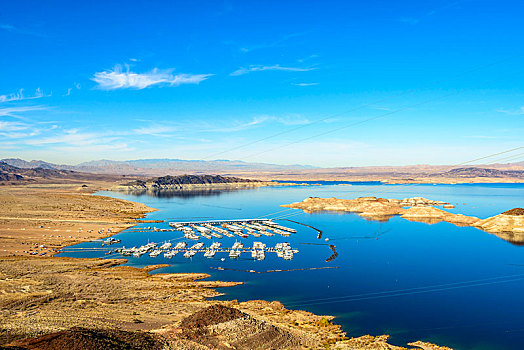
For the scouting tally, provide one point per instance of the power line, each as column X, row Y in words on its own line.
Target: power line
column 368, row 189
column 413, row 291
column 361, row 107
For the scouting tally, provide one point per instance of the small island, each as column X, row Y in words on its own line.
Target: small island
column 508, row 225
column 192, row 182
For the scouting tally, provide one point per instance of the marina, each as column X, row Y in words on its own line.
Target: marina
column 257, row 251
column 216, row 229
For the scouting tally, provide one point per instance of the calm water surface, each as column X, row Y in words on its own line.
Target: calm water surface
column 455, row 286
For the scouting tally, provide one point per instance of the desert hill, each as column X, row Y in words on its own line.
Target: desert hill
column 10, row 174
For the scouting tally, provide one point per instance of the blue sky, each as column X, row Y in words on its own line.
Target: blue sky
column 327, row 83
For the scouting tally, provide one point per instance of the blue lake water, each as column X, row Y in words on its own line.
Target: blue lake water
column 454, row 286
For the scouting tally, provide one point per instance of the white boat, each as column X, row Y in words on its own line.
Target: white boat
column 170, row 254
column 197, row 246
column 180, row 245
column 260, row 255
column 191, row 235
column 288, row 255
column 138, row 253
column 234, row 253
column 166, row 245
column 215, row 245
column 155, row 253
column 258, row 245
column 210, row 253
column 189, row 253
column 202, row 229
column 253, row 253
column 237, row 245
column 128, row 251
column 148, row 246
column 111, row 240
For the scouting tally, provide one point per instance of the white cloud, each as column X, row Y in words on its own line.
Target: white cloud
column 95, row 148
column 76, row 86
column 17, row 130
column 11, row 126
column 276, row 67
column 19, row 96
column 155, row 130
column 69, row 136
column 13, row 111
column 518, row 111
column 120, row 79
column 292, row 119
column 305, row 84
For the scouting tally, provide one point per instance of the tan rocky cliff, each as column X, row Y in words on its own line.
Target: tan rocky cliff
column 508, row 225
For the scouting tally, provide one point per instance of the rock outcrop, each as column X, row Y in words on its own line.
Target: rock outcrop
column 434, row 215
column 364, row 206
column 508, row 225
column 189, row 182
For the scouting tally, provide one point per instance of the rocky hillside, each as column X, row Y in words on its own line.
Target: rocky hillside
column 187, row 182
column 482, row 172
column 10, row 174
column 509, row 225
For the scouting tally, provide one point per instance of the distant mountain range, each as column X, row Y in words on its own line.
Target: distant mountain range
column 152, row 167
column 163, row 167
column 15, row 175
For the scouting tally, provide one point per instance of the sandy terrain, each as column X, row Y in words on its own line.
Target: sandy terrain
column 41, row 218
column 39, row 296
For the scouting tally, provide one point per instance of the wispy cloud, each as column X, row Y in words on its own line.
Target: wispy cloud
column 117, row 78
column 305, row 84
column 11, row 126
column 276, row 67
column 13, row 29
column 415, row 20
column 518, row 111
column 76, row 86
column 15, row 111
column 155, row 130
column 68, row 136
column 292, row 119
column 19, row 96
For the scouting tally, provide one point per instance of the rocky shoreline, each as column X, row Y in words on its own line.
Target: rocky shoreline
column 55, row 302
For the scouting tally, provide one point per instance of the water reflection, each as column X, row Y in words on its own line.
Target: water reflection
column 179, row 193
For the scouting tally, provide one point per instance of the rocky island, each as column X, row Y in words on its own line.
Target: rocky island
column 191, row 182
column 508, row 225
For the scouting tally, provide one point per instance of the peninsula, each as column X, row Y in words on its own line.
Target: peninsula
column 508, row 225
column 189, row 182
